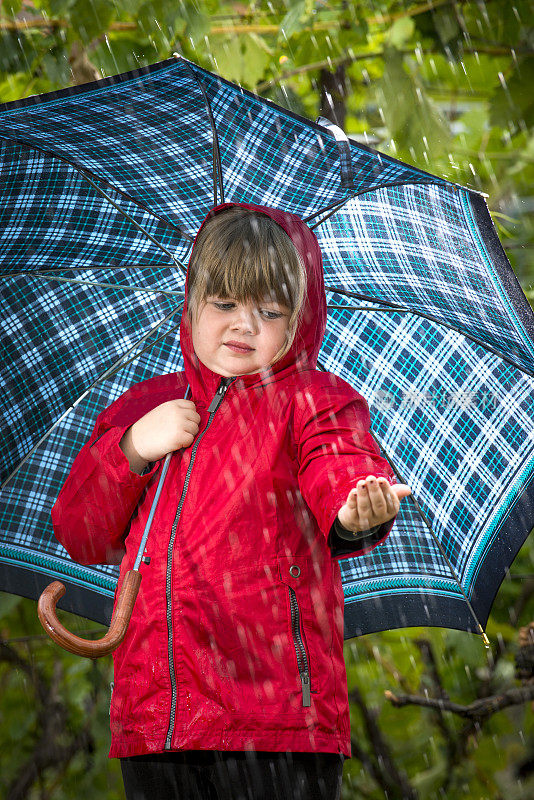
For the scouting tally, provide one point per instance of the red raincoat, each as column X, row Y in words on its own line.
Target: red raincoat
column 236, row 638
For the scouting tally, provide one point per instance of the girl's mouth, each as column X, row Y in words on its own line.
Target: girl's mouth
column 238, row 347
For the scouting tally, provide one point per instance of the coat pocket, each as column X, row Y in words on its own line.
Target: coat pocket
column 311, row 649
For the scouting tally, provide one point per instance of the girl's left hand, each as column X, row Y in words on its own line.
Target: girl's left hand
column 372, row 502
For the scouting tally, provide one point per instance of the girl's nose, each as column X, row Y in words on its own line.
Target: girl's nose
column 245, row 320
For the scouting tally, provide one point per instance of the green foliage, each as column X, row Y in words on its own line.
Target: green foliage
column 49, row 699
column 243, row 60
column 91, row 19
column 406, row 108
column 513, row 100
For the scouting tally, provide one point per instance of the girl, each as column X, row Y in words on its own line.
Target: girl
column 231, row 680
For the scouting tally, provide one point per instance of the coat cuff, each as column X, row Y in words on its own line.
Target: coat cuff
column 357, row 545
column 106, row 450
column 353, row 536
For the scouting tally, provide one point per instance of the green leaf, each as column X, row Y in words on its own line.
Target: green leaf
column 226, row 52
column 128, row 7
column 512, row 101
column 89, row 19
column 294, row 21
column 257, row 57
column 400, row 32
column 446, row 24
column 57, row 8
column 16, row 51
column 197, row 24
column 12, row 7
column 412, row 120
column 57, row 67
column 163, row 20
column 120, row 53
column 441, row 26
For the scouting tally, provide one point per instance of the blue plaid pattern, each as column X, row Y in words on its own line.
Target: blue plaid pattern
column 91, row 304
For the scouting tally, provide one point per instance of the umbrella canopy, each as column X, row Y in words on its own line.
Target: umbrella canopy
column 102, row 190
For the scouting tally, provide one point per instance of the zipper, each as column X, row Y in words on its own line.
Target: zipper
column 300, row 649
column 213, row 406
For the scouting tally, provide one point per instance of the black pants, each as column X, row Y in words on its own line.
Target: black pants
column 229, row 775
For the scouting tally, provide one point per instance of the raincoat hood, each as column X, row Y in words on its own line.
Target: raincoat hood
column 310, row 331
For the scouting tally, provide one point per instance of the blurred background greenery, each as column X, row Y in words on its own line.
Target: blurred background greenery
column 448, row 86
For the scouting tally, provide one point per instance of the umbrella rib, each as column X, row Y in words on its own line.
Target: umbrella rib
column 362, row 308
column 132, row 220
column 85, row 172
column 217, row 166
column 93, row 283
column 110, row 371
column 333, row 207
column 145, row 349
column 394, row 307
column 431, row 530
column 91, row 267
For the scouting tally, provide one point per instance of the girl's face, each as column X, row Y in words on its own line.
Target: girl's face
column 233, row 338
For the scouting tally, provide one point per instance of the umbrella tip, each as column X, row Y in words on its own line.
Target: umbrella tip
column 484, row 638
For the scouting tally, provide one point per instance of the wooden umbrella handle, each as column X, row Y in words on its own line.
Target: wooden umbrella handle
column 46, row 609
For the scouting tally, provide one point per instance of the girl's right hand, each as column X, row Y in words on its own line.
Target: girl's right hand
column 168, row 427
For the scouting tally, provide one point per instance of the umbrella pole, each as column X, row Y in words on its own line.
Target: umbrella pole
column 90, row 648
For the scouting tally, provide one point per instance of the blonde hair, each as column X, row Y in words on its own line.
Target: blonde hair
column 246, row 256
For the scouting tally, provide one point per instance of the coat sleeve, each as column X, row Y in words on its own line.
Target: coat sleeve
column 94, row 507
column 335, row 450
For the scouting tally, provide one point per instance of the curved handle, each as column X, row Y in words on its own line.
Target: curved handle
column 46, row 609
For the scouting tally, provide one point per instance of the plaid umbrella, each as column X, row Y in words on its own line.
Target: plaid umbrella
column 103, row 187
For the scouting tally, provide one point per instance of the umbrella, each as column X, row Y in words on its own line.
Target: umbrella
column 103, row 187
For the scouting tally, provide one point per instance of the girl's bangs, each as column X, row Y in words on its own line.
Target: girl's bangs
column 248, row 277
column 247, row 257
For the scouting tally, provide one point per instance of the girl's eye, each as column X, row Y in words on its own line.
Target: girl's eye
column 229, row 305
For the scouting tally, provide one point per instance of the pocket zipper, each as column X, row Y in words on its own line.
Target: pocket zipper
column 300, row 649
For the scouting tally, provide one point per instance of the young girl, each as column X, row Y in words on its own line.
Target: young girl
column 231, row 680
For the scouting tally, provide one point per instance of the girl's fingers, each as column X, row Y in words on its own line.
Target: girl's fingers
column 365, row 511
column 389, row 497
column 377, row 500
column 352, row 499
column 374, row 500
column 401, row 490
column 393, row 495
column 398, row 490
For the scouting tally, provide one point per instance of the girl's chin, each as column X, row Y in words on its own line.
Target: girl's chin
column 229, row 370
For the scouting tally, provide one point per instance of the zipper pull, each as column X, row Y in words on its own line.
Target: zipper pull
column 219, row 394
column 306, row 696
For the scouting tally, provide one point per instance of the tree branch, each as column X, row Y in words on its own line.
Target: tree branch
column 478, row 711
column 393, row 781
